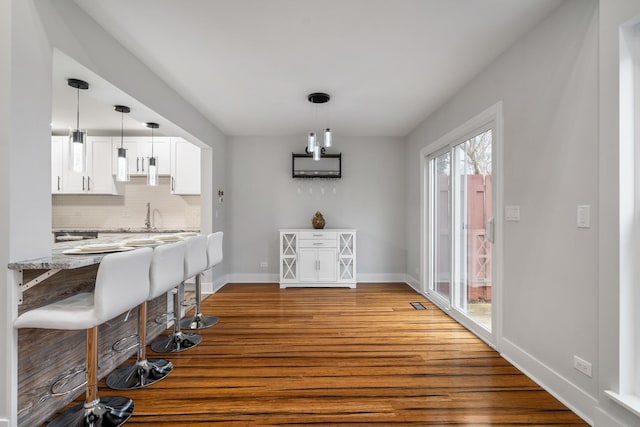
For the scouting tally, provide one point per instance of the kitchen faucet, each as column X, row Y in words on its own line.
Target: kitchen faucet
column 147, row 221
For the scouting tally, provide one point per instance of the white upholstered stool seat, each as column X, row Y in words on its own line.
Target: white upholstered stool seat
column 167, row 272
column 195, row 263
column 122, row 282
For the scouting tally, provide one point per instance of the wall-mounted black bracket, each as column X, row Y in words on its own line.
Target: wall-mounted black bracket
column 329, row 165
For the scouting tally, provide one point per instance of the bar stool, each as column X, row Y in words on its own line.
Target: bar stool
column 167, row 272
column 195, row 263
column 122, row 282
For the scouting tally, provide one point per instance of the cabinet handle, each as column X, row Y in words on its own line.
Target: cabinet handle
column 173, row 184
column 58, row 183
column 83, row 183
column 317, row 235
column 137, row 164
column 88, row 183
column 142, row 164
column 317, row 243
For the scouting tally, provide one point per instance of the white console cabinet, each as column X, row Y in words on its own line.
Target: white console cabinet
column 322, row 258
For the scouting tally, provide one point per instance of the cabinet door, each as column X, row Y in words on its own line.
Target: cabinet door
column 100, row 178
column 57, row 163
column 347, row 257
column 72, row 182
column 161, row 150
column 307, row 264
column 185, row 168
column 327, row 264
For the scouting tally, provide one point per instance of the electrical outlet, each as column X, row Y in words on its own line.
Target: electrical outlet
column 264, row 264
column 582, row 366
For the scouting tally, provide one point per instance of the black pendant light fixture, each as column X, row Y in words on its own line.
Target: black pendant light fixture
column 122, row 171
column 77, row 137
column 152, row 170
column 313, row 145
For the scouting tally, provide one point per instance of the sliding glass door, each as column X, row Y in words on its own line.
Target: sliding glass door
column 461, row 226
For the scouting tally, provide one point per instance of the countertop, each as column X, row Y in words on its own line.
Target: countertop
column 62, row 261
column 124, row 230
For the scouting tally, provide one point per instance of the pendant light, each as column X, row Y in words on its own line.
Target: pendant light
column 152, row 170
column 314, row 148
column 77, row 146
column 122, row 171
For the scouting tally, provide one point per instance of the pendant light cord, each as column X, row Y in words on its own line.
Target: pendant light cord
column 152, row 142
column 122, row 129
column 78, row 109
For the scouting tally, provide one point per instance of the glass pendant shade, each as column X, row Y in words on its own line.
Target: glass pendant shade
column 122, row 172
column 152, row 172
column 77, row 151
column 311, row 142
column 77, row 137
column 327, row 137
column 122, row 166
column 316, row 153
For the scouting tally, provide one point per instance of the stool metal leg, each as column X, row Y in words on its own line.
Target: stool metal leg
column 177, row 341
column 111, row 411
column 199, row 320
column 143, row 372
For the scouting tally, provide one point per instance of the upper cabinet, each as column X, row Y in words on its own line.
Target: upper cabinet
column 96, row 179
column 176, row 157
column 138, row 152
column 185, row 168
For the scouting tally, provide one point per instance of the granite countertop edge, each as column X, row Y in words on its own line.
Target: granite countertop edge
column 125, row 230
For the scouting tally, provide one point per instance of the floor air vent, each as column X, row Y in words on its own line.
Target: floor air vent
column 418, row 306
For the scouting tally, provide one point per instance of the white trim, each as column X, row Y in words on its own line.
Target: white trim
column 602, row 418
column 492, row 114
column 381, row 277
column 413, row 282
column 4, row 422
column 252, row 278
column 581, row 403
column 630, row 402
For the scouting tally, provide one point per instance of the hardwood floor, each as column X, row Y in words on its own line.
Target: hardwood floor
column 339, row 356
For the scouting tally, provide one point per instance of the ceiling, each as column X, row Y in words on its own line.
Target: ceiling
column 248, row 65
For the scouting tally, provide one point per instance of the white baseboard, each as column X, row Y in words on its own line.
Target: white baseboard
column 603, row 419
column 576, row 399
column 413, row 282
column 381, row 278
column 4, row 422
column 252, row 278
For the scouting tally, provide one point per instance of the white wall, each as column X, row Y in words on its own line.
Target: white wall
column 29, row 30
column 612, row 14
column 25, row 114
column 548, row 82
column 263, row 197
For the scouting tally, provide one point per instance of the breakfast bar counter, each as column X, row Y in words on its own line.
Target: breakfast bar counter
column 44, row 356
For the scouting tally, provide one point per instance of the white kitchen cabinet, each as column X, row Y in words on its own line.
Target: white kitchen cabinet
column 324, row 258
column 96, row 179
column 185, row 168
column 57, row 168
column 138, row 153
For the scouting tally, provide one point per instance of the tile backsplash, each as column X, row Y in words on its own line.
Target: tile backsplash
column 129, row 210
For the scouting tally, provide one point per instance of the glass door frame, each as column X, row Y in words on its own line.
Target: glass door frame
column 491, row 117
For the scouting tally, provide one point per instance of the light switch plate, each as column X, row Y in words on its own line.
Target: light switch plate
column 584, row 216
column 512, row 213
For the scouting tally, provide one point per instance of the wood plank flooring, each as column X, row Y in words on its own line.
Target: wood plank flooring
column 339, row 357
